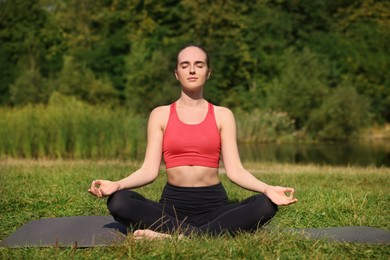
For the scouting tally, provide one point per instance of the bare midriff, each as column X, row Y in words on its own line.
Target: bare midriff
column 192, row 176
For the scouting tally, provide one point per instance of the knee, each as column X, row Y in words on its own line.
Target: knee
column 267, row 209
column 118, row 202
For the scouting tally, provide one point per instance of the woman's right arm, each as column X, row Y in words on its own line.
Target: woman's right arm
column 151, row 165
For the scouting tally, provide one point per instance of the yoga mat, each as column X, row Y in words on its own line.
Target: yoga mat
column 80, row 231
column 92, row 231
column 351, row 234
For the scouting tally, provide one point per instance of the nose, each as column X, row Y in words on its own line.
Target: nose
column 192, row 70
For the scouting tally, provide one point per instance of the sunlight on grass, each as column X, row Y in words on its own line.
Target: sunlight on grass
column 328, row 197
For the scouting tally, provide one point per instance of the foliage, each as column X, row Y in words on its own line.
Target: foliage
column 300, row 87
column 280, row 55
column 143, row 82
column 30, row 46
column 341, row 115
column 77, row 80
column 29, row 87
column 328, row 197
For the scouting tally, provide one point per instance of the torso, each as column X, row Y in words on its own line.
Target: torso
column 191, row 176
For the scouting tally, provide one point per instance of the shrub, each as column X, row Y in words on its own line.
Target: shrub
column 301, row 85
column 342, row 115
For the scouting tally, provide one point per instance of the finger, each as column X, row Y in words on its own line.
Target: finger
column 101, row 193
column 290, row 191
column 93, row 185
column 93, row 191
column 292, row 194
column 288, row 202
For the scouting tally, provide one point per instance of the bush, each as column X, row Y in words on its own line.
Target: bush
column 301, row 85
column 342, row 115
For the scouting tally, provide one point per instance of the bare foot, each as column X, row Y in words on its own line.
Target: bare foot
column 149, row 234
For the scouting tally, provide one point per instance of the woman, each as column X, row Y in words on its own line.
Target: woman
column 191, row 134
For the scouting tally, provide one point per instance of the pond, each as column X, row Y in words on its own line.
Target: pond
column 337, row 154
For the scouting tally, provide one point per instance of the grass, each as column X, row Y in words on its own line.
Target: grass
column 329, row 196
column 69, row 129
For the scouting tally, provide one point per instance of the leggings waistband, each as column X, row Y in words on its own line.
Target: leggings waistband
column 201, row 188
column 194, row 200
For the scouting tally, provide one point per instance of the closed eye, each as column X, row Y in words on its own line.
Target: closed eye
column 198, row 64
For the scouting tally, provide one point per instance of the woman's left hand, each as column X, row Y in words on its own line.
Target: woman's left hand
column 281, row 196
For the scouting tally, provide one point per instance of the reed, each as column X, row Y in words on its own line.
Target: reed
column 264, row 126
column 67, row 128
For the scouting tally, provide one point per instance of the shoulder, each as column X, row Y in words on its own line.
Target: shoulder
column 222, row 112
column 224, row 116
column 159, row 115
column 161, row 110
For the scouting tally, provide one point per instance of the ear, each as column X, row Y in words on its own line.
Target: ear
column 177, row 76
column 209, row 74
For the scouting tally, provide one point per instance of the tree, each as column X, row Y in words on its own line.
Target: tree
column 149, row 79
column 77, row 80
column 29, row 47
column 301, row 86
column 29, row 87
column 342, row 114
column 357, row 47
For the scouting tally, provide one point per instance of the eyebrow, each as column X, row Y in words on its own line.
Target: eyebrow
column 187, row 62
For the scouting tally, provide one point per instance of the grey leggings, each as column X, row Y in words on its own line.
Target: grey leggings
column 191, row 210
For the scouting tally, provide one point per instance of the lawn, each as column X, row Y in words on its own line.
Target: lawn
column 328, row 197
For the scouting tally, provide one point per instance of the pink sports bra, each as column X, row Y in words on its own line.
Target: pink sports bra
column 191, row 144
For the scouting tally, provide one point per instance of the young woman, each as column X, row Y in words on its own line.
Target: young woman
column 191, row 134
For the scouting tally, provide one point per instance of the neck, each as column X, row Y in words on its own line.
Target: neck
column 191, row 101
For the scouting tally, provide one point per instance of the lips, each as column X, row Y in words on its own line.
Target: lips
column 192, row 78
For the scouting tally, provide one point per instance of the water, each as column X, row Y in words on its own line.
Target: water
column 336, row 154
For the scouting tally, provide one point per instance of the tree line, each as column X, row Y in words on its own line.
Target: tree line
column 324, row 63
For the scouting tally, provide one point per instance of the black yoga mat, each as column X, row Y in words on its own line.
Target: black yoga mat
column 351, row 234
column 80, row 231
column 92, row 231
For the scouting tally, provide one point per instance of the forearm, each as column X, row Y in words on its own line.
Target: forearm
column 247, row 181
column 137, row 179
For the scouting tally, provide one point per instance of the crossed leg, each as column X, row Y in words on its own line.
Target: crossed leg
column 156, row 220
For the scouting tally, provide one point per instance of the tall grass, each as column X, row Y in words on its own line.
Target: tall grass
column 264, row 126
column 68, row 128
column 328, row 197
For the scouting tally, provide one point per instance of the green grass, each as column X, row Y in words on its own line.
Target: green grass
column 328, row 196
column 70, row 129
column 67, row 128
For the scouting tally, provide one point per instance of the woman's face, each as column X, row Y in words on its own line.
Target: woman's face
column 192, row 70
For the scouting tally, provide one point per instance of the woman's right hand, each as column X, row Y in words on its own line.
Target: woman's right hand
column 101, row 188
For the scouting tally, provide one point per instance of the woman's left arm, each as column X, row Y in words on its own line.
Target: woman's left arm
column 234, row 168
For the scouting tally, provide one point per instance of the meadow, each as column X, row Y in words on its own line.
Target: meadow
column 328, row 197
